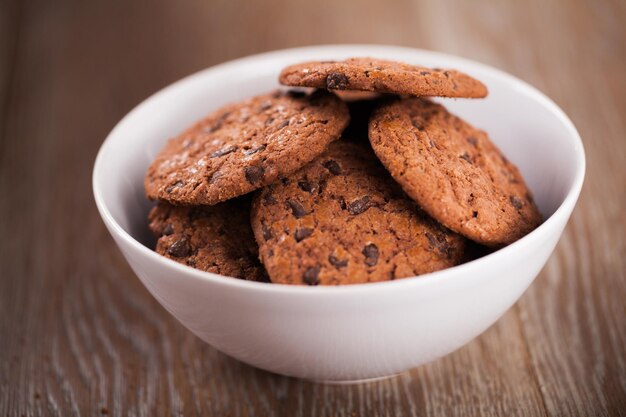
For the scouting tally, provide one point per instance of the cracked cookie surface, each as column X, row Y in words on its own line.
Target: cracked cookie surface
column 455, row 173
column 215, row 239
column 382, row 76
column 343, row 220
column 245, row 146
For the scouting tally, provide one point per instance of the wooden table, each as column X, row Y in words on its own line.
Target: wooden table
column 79, row 334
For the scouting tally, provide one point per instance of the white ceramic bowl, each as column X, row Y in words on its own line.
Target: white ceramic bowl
column 352, row 332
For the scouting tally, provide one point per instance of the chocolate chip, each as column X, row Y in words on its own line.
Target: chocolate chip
column 283, row 124
column 267, row 233
column 336, row 81
column 302, row 233
column 167, row 230
column 474, row 214
column 218, row 124
column 336, row 262
column 310, row 275
column 296, row 208
column 172, row 187
column 472, row 141
column 306, row 186
column 466, row 157
column 360, row 205
column 332, row 166
column 371, row 254
column 470, row 198
column 215, row 176
column 254, row 174
column 321, row 186
column 424, row 72
column 269, row 198
column 180, row 248
column 440, row 243
column 255, row 150
column 516, row 202
column 265, row 105
column 224, row 151
column 285, row 181
column 417, row 125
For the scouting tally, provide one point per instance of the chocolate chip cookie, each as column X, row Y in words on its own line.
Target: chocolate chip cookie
column 216, row 238
column 342, row 220
column 455, row 173
column 244, row 146
column 369, row 74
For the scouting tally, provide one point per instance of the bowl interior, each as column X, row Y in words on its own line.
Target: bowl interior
column 529, row 128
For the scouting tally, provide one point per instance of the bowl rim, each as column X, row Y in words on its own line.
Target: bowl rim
column 448, row 274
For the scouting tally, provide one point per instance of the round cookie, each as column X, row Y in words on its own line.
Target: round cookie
column 245, row 146
column 342, row 220
column 216, row 239
column 455, row 173
column 369, row 74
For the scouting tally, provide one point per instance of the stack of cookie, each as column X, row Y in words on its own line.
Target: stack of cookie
column 283, row 188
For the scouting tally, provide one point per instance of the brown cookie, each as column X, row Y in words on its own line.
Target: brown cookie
column 455, row 173
column 216, row 238
column 244, row 146
column 369, row 74
column 342, row 220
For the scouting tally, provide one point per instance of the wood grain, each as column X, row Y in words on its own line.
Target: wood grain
column 79, row 335
column 9, row 32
